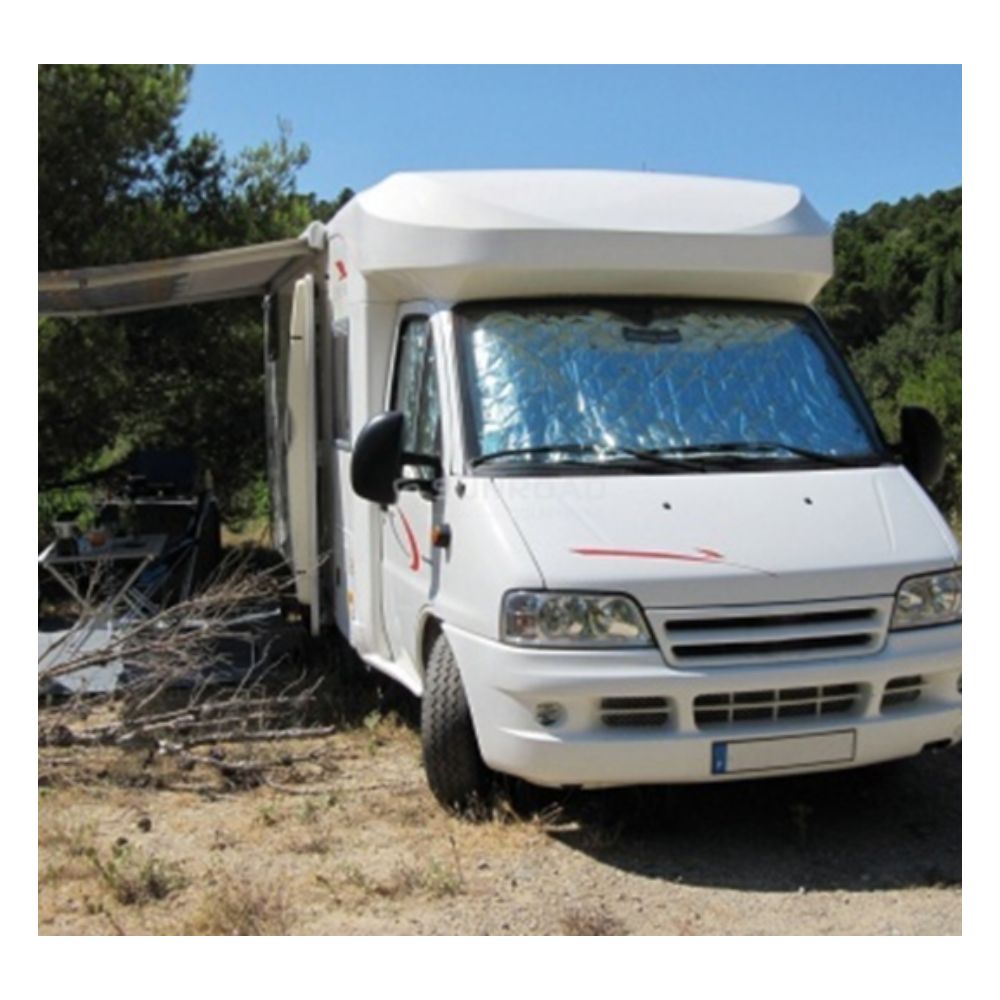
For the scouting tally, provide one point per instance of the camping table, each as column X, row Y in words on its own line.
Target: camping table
column 142, row 550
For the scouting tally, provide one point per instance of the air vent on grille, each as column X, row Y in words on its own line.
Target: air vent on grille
column 725, row 709
column 641, row 713
column 757, row 648
column 779, row 635
column 902, row 691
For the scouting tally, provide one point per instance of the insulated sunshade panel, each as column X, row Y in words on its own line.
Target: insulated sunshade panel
column 680, row 377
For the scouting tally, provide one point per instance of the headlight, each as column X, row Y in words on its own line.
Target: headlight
column 928, row 600
column 543, row 618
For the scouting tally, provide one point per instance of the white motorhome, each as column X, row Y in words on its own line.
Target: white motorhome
column 569, row 455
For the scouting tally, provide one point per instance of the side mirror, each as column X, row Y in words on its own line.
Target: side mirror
column 922, row 445
column 377, row 461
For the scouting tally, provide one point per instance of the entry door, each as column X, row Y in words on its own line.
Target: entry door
column 410, row 563
column 300, row 429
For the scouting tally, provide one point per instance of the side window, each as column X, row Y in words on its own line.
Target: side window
column 415, row 392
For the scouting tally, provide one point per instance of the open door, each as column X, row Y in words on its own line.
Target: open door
column 264, row 269
column 299, row 428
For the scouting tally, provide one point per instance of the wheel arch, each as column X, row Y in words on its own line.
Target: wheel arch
column 456, row 772
column 431, row 627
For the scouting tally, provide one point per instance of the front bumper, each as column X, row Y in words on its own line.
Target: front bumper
column 506, row 684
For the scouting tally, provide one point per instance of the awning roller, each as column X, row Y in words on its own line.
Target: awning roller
column 177, row 281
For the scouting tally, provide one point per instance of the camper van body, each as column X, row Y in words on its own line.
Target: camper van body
column 767, row 594
column 751, row 604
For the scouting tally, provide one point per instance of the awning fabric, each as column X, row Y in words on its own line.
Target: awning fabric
column 155, row 284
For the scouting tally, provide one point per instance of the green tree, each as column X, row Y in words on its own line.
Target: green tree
column 895, row 305
column 116, row 183
column 103, row 132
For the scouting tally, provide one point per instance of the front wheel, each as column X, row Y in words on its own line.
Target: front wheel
column 456, row 773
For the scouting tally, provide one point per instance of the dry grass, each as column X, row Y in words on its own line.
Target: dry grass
column 436, row 880
column 253, row 532
column 75, row 839
column 67, row 848
column 135, row 877
column 316, row 844
column 237, row 908
column 584, row 922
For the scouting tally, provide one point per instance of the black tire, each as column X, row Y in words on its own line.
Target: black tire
column 455, row 770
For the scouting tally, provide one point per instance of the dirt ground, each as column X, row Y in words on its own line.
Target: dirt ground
column 351, row 842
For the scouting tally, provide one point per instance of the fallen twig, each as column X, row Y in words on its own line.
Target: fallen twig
column 222, row 763
column 265, row 736
column 300, row 790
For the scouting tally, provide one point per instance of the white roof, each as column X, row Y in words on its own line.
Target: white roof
column 505, row 232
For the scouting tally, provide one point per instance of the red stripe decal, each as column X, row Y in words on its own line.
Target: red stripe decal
column 411, row 538
column 341, row 269
column 707, row 555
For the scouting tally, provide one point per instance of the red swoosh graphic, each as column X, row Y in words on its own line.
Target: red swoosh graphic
column 411, row 538
column 706, row 555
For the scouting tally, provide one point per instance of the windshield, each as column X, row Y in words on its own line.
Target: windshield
column 587, row 384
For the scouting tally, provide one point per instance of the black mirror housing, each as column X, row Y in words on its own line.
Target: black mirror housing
column 922, row 445
column 377, row 460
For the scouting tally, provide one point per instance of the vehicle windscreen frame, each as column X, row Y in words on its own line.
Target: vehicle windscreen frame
column 806, row 316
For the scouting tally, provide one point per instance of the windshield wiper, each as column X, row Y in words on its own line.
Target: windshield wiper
column 733, row 449
column 609, row 451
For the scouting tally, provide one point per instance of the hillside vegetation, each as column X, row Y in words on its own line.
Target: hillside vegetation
column 895, row 306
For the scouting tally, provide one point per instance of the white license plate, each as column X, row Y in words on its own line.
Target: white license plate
column 780, row 752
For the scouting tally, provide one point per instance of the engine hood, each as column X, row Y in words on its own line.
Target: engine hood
column 733, row 537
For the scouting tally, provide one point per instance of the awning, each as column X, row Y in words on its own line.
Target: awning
column 177, row 281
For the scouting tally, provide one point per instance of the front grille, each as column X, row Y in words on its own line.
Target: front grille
column 793, row 633
column 638, row 713
column 730, row 708
column 695, row 650
column 902, row 691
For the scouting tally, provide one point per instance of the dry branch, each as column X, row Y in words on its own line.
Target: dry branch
column 176, row 654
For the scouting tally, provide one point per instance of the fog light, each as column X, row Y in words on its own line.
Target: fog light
column 549, row 713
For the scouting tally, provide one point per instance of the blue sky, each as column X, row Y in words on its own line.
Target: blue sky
column 848, row 135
